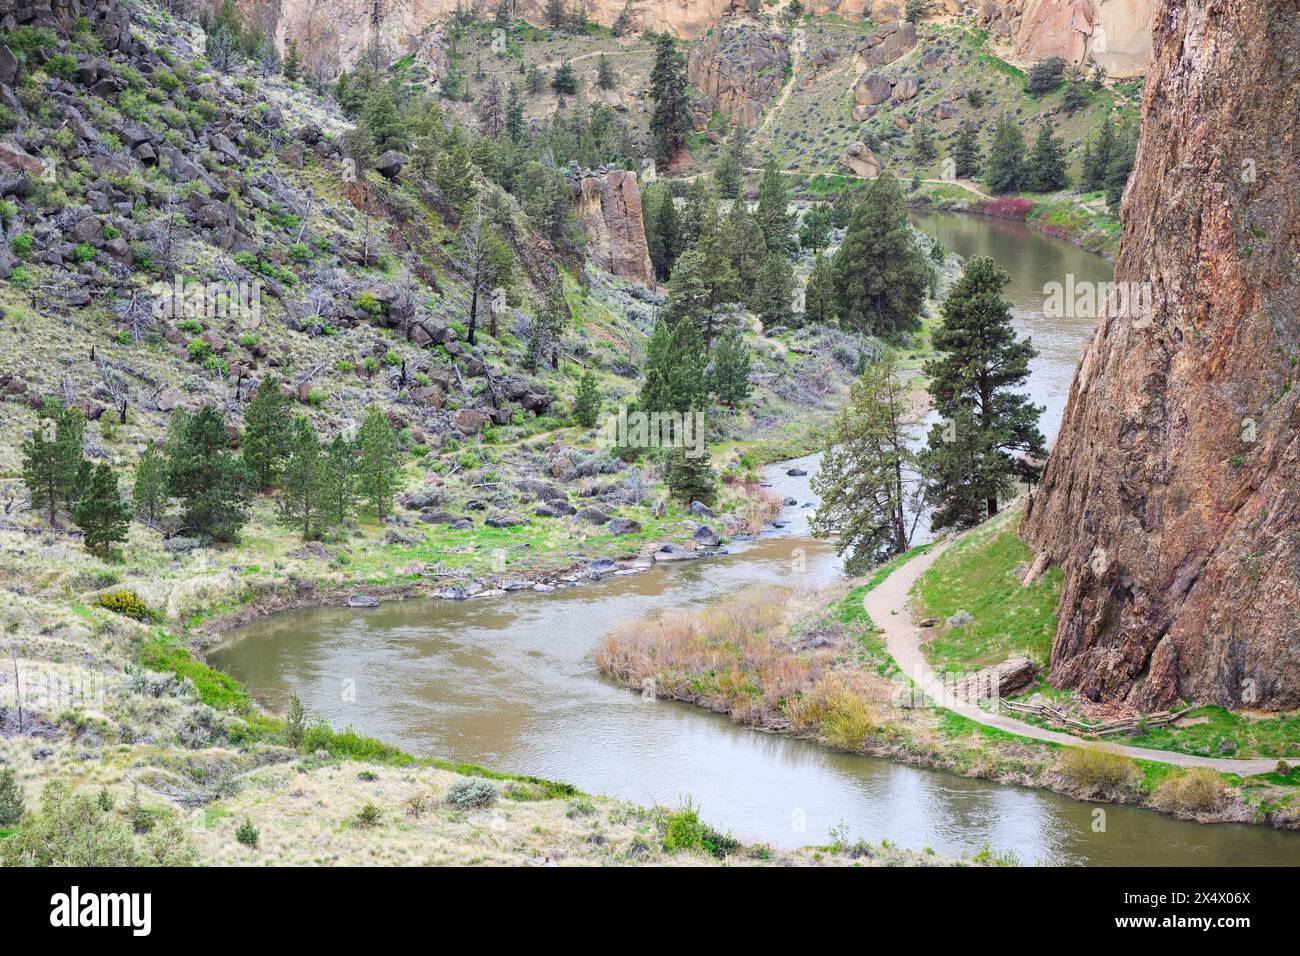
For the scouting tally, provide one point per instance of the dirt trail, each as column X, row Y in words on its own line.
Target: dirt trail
column 888, row 605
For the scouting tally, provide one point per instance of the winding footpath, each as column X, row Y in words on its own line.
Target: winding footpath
column 888, row 607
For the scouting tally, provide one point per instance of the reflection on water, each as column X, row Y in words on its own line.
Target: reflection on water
column 509, row 682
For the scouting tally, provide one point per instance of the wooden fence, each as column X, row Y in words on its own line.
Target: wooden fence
column 1125, row 725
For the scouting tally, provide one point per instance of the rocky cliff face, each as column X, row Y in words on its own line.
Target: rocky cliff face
column 1172, row 499
column 739, row 70
column 608, row 206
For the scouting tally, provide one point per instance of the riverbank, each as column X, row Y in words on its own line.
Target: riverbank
column 1083, row 221
column 817, row 666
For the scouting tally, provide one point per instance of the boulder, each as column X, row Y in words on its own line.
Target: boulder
column 469, row 421
column 706, row 537
column 872, row 89
column 668, row 553
column 623, row 526
column 389, row 165
column 362, row 601
column 592, row 515
column 700, row 510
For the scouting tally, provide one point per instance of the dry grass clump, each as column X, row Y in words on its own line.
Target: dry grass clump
column 727, row 657
column 841, row 711
column 1199, row 790
column 1099, row 771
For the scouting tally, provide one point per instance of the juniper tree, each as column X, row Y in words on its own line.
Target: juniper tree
column 549, row 325
column 102, row 515
column 728, row 371
column 1046, row 170
column 674, row 370
column 1097, row 157
column 773, row 296
column 671, row 117
column 1006, row 167
column 149, row 497
column 586, row 403
column 12, row 806
column 819, row 303
column 663, row 231
column 880, row 275
column 514, row 115
column 730, row 171
column 52, row 458
column 923, row 147
column 605, row 78
column 303, row 482
column 815, row 233
column 455, row 175
column 268, row 431
column 208, row 479
column 773, row 212
column 868, row 482
column 1123, row 157
column 690, row 478
column 564, row 81
column 377, row 464
column 972, row 386
column 339, row 483
column 966, row 153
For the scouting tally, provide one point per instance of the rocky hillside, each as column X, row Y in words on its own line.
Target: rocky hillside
column 1172, row 499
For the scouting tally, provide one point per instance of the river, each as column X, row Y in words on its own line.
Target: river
column 509, row 682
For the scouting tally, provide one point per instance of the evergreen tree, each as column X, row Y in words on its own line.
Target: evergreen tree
column 689, row 298
column 1006, row 170
column 492, row 110
column 728, row 372
column 981, row 361
column 674, row 372
column 690, row 478
column 514, row 115
column 303, row 484
column 12, row 806
column 842, row 208
column 773, row 212
column 292, row 60
column 149, row 495
column 377, row 465
column 663, row 231
column 966, row 151
column 565, row 81
column 268, row 432
column 1046, row 172
column 534, row 80
column 815, row 234
column 555, row 13
column 455, row 174
column 868, row 483
column 1120, row 167
column 605, row 78
column 773, row 298
column 586, row 404
column 359, row 146
column 102, row 515
column 730, row 172
column 671, row 117
column 1097, row 157
column 503, row 18
column 210, row 482
column 338, row 493
column 923, row 147
column 53, row 466
column 880, row 275
column 819, row 302
column 384, row 122
column 744, row 247
column 1045, row 76
column 1076, row 91
column 552, row 321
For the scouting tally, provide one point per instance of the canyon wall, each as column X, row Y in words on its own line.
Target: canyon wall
column 607, row 204
column 1172, row 497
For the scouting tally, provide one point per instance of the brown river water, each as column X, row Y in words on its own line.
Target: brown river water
column 509, row 683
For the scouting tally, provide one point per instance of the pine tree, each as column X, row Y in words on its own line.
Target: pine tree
column 773, row 297
column 565, row 82
column 1076, row 91
column 1118, row 170
column 868, row 482
column 881, row 277
column 981, row 361
column 819, row 302
column 744, row 247
column 674, row 371
column 292, row 60
column 503, row 18
column 514, row 115
column 842, row 208
column 377, row 474
column 730, row 171
column 101, row 515
column 12, row 806
column 53, row 466
column 586, row 404
column 815, row 234
column 1097, row 158
column 555, row 13
column 1006, row 169
column 268, row 432
column 728, row 372
column 149, row 495
column 491, row 110
column 690, row 478
column 689, row 298
column 303, row 482
column 923, row 147
column 773, row 212
column 663, row 231
column 455, row 174
column 605, row 78
column 551, row 322
column 384, row 121
column 210, row 482
column 671, row 117
column 966, row 151
column 1046, row 172
column 339, row 483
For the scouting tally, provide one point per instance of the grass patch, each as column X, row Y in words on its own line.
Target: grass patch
column 1220, row 733
column 979, row 575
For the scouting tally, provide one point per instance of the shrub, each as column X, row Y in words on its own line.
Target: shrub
column 1200, row 790
column 685, row 832
column 12, row 807
column 471, row 793
column 247, row 834
column 21, row 245
column 83, row 252
column 126, row 603
column 295, row 723
column 368, row 817
column 1098, row 770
